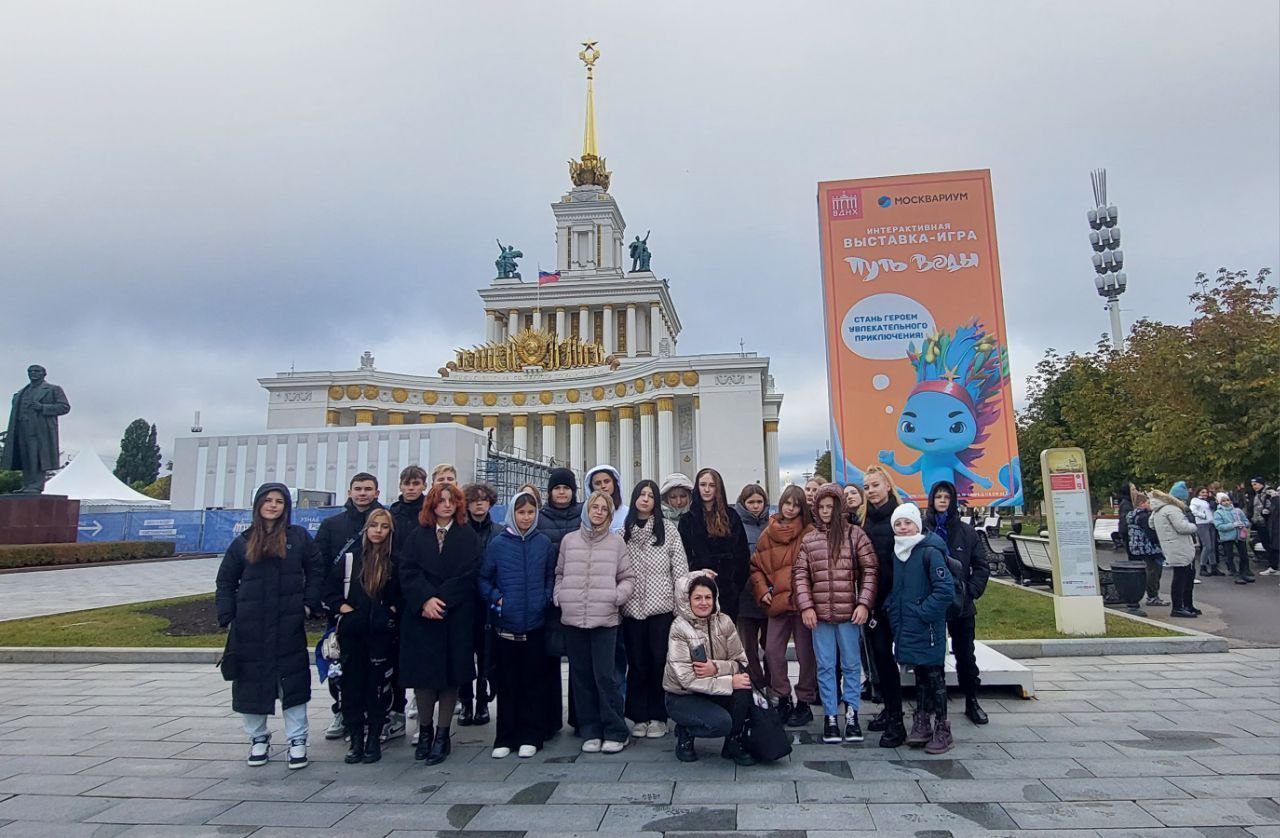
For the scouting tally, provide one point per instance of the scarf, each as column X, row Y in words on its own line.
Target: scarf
column 904, row 544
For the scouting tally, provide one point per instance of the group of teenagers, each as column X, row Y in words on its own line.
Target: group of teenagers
column 674, row 607
column 1177, row 530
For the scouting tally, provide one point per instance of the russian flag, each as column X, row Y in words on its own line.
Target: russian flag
column 545, row 277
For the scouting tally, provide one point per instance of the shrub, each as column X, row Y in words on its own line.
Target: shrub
column 46, row 555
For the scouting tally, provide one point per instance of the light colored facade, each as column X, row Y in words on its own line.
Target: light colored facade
column 580, row 371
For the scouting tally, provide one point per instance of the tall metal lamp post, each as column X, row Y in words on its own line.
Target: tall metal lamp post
column 1108, row 258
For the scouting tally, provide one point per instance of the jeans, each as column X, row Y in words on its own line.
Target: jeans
column 710, row 716
column 962, row 631
column 1183, row 583
column 521, row 688
column 931, row 690
column 593, row 677
column 295, row 723
column 1208, row 536
column 751, row 631
column 827, row 637
column 646, row 659
column 880, row 639
column 779, row 632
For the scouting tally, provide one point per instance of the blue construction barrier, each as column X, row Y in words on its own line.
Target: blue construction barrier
column 102, row 526
column 192, row 531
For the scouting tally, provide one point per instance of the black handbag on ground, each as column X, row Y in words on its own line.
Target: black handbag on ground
column 766, row 739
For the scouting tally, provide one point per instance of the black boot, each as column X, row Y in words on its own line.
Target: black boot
column 355, row 753
column 801, row 716
column 440, row 748
column 425, row 736
column 878, row 724
column 895, row 733
column 373, row 745
column 482, row 703
column 466, row 718
column 684, row 746
column 736, row 750
column 785, row 708
column 974, row 712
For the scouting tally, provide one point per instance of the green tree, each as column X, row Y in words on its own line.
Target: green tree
column 139, row 454
column 822, row 466
column 159, row 489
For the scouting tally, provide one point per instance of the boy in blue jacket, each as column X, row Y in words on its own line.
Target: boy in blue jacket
column 917, row 608
column 516, row 580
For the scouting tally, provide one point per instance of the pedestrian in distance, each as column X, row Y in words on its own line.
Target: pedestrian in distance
column 834, row 581
column 1256, row 511
column 594, row 578
column 708, row 689
column 516, row 583
column 1233, row 535
column 268, row 583
column 1176, row 534
column 752, row 507
column 657, row 557
column 969, row 551
column 1202, row 513
column 772, row 566
column 1144, row 544
column 362, row 589
column 438, row 567
column 922, row 591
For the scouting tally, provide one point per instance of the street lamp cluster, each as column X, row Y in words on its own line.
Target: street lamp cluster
column 1108, row 258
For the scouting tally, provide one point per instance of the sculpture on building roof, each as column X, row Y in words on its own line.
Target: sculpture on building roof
column 640, row 254
column 506, row 261
column 530, row 348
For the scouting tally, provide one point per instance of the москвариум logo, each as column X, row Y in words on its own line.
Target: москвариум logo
column 884, row 202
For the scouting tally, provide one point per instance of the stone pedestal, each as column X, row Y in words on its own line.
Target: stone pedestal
column 38, row 519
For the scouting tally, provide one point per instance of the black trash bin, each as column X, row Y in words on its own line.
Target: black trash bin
column 1130, row 579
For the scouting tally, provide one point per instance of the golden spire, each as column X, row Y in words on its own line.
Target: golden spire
column 591, row 168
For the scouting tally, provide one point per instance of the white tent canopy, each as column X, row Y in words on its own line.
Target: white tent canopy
column 87, row 480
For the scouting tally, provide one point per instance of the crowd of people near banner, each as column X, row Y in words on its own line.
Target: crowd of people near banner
column 1203, row 532
column 674, row 607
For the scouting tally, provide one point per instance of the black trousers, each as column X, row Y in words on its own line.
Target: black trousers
column 1184, row 581
column 593, row 676
column 962, row 631
column 522, row 690
column 931, row 690
column 880, row 642
column 367, row 670
column 1240, row 547
column 482, row 640
column 710, row 716
column 1154, row 570
column 646, row 642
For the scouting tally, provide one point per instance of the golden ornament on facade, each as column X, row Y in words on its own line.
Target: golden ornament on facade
column 532, row 348
column 400, row 395
column 639, row 383
column 690, row 378
column 460, row 399
column 490, row 399
column 672, row 379
column 572, row 396
column 666, row 403
column 519, row 399
column 545, row 397
column 597, row 393
column 335, row 393
column 657, row 379
column 620, row 390
column 353, row 391
column 370, row 392
column 430, row 397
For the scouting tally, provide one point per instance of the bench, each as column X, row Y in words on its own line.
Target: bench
column 1107, row 531
column 1029, row 560
column 992, row 525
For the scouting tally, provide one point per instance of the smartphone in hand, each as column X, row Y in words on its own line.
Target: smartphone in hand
column 699, row 653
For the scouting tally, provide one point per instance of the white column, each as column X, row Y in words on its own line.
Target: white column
column 584, row 324
column 697, row 429
column 655, row 328
column 562, row 324
column 632, row 337
column 548, row 436
column 771, row 459
column 649, row 445
column 577, row 456
column 666, row 435
column 537, row 320
column 513, row 321
column 490, row 326
column 602, row 418
column 626, row 449
column 610, row 343
column 520, row 434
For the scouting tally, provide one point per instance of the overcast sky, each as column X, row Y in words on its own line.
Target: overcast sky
column 197, row 194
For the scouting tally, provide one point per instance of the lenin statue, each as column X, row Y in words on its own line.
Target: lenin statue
column 31, row 445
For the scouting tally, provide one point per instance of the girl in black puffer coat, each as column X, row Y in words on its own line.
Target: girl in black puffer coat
column 268, row 584
column 363, row 590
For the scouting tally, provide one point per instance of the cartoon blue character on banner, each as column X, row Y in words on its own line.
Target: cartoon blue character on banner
column 957, row 397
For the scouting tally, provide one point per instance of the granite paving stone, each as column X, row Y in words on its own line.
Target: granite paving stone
column 581, row 816
column 743, row 791
column 391, row 816
column 985, row 791
column 655, row 793
column 1080, row 814
column 954, row 819
column 266, row 813
column 1021, row 769
column 1260, row 786
column 1255, row 811
column 1114, row 788
column 161, row 787
column 842, row 816
column 52, row 808
column 155, row 811
column 50, row 783
column 858, row 791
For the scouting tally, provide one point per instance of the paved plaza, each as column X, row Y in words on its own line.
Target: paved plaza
column 1184, row 745
column 39, row 592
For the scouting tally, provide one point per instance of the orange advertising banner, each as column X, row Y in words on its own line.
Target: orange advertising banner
column 917, row 361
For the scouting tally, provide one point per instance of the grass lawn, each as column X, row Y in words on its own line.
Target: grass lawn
column 185, row 621
column 1006, row 612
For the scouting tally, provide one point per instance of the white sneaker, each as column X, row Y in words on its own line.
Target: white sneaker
column 591, row 746
column 1197, row 581
column 297, row 754
column 527, row 751
column 414, row 739
column 259, row 750
column 657, row 730
column 612, row 747
column 395, row 726
column 411, row 709
column 500, row 753
column 336, row 729
column 640, row 730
